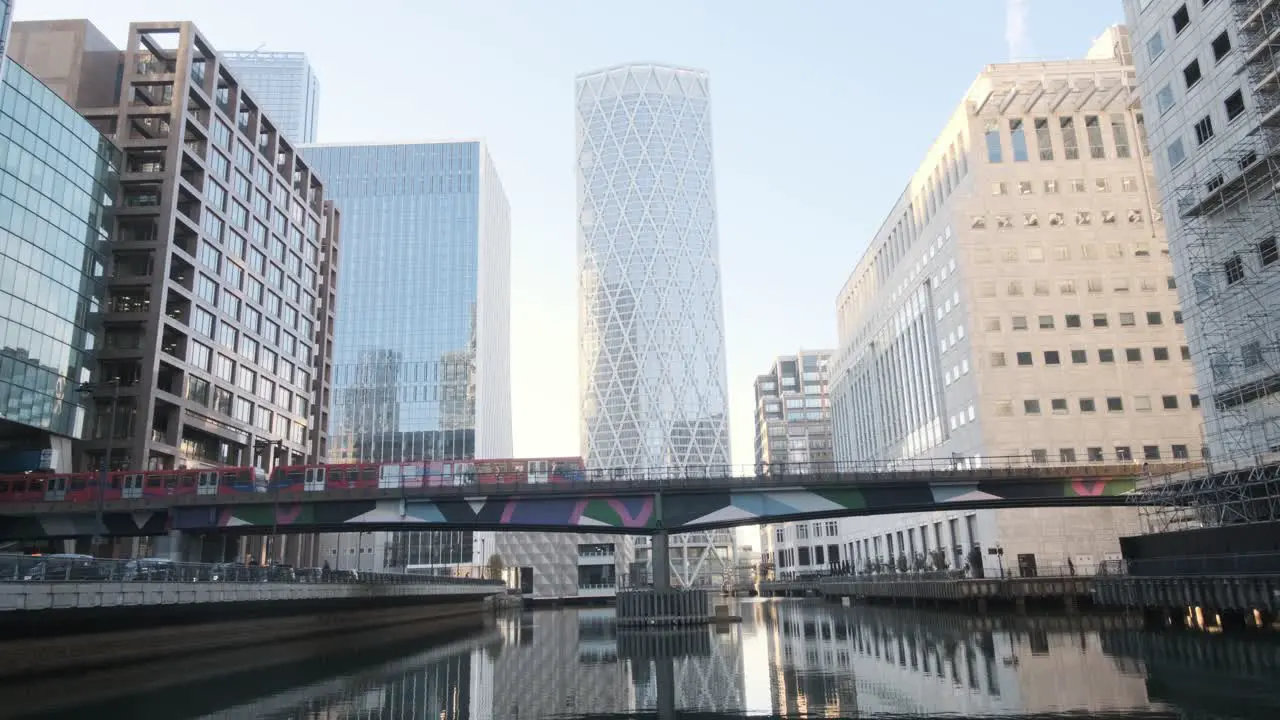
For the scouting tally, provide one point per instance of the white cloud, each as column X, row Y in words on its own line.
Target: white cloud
column 1017, row 34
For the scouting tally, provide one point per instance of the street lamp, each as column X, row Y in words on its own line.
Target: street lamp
column 105, row 471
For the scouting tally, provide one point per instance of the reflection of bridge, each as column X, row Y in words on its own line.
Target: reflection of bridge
column 636, row 502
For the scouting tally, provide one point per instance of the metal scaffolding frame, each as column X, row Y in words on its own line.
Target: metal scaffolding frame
column 1226, row 210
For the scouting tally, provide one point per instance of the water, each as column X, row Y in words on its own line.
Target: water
column 788, row 658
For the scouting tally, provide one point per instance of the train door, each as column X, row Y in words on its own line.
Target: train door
column 314, row 480
column 207, row 483
column 539, row 472
column 131, row 486
column 56, row 488
column 389, row 476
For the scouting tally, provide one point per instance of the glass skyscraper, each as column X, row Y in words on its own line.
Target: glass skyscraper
column 285, row 88
column 58, row 176
column 422, row 342
column 6, row 17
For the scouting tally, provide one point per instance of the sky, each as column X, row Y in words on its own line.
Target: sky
column 821, row 110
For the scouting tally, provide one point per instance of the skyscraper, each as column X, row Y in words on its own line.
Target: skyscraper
column 219, row 291
column 651, row 325
column 52, row 268
column 422, row 367
column 285, row 87
column 6, row 16
column 1018, row 300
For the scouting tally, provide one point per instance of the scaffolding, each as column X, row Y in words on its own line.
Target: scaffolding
column 1226, row 226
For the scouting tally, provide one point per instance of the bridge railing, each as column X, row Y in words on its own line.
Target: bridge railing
column 82, row 570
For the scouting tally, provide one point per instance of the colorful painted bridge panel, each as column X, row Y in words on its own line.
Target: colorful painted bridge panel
column 679, row 510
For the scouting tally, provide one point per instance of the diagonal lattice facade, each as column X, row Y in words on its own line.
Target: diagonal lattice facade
column 651, row 322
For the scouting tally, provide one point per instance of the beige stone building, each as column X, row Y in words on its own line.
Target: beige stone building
column 1019, row 301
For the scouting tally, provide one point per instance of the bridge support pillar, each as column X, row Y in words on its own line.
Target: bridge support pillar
column 661, row 561
column 176, row 546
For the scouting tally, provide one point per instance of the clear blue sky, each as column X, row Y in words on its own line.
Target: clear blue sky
column 821, row 111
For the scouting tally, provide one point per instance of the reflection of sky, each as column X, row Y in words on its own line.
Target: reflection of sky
column 756, row 669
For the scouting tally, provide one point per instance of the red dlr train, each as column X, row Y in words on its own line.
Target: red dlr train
column 285, row 480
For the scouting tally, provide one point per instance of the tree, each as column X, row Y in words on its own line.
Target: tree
column 496, row 566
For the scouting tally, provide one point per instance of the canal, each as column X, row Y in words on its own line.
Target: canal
column 788, row 658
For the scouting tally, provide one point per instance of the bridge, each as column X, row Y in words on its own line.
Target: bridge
column 638, row 502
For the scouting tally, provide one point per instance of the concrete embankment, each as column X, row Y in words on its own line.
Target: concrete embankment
column 42, row 642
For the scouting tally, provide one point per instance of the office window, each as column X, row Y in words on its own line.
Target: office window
column 1180, row 452
column 1234, row 105
column 1095, row 454
column 1019, row 139
column 1004, row 408
column 1194, row 400
column 1100, row 320
column 1024, row 358
column 1067, row 455
column 1155, row 46
column 1051, row 357
column 1221, row 46
column 1191, row 73
column 1170, row 402
column 1160, row 353
column 1127, row 319
column 993, row 142
column 1142, row 403
column 1087, row 405
column 1031, row 407
column 1186, row 352
column 1204, row 130
column 1164, row 98
column 1267, row 251
column 1123, row 453
column 1106, row 355
column 1073, row 321
column 1150, row 452
column 1234, row 269
column 997, row 359
column 1133, row 354
column 1181, row 19
column 1058, row 406
column 1051, row 187
column 1046, row 322
column 1019, row 322
column 1070, row 149
column 1045, row 144
column 1079, row 357
column 1025, row 187
column 1177, row 154
column 1154, row 318
column 1115, row 404
column 1093, row 131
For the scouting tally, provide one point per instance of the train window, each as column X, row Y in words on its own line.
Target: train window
column 293, row 476
column 370, row 474
column 170, row 481
column 115, row 482
column 153, row 481
column 77, row 484
column 231, row 477
column 188, row 481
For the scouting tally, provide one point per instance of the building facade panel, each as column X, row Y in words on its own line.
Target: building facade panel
column 1207, row 74
column 1019, row 302
column 422, row 356
column 58, row 181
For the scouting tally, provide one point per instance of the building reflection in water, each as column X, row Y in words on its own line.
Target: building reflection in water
column 818, row 660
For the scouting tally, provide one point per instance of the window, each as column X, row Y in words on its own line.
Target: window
column 1155, row 46
column 1035, row 253
column 1019, row 138
column 1234, row 269
column 1221, row 46
column 1025, row 188
column 1093, row 131
column 1115, row 404
column 1077, row 185
column 1251, row 354
column 1079, row 357
column 1194, row 400
column 1181, row 19
column 1084, row 217
column 1142, row 403
column 1186, row 352
column 991, row 324
column 1177, row 154
column 1106, row 355
column 1070, row 149
column 1062, row 252
column 1044, row 142
column 1067, row 455
column 1046, row 322
column 1024, row 358
column 1191, row 73
column 1051, row 357
column 997, row 359
column 1004, row 408
column 999, row 188
column 1204, row 130
column 224, row 368
column 1127, row 319
column 202, row 321
column 1058, row 406
column 1153, row 318
column 1120, row 134
column 1073, row 321
column 1164, row 98
column 1129, row 183
column 993, row 142
column 1087, row 405
column 1101, row 185
column 1031, row 407
column 1050, row 187
column 978, row 222
column 1100, row 320
column 1180, row 452
column 1040, row 456
column 1160, row 353
column 1019, row 322
column 1170, row 402
column 1234, row 105
column 1133, row 354
column 207, row 289
column 1267, row 251
column 199, row 355
column 1151, row 452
